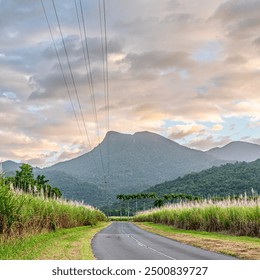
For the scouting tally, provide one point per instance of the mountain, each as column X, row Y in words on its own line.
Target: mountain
column 74, row 189
column 237, row 151
column 135, row 162
column 124, row 163
column 227, row 179
column 9, row 167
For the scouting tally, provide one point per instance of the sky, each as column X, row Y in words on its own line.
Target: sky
column 187, row 70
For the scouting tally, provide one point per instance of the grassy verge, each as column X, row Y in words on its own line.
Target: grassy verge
column 239, row 246
column 63, row 244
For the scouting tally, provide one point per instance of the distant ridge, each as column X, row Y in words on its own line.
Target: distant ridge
column 136, row 162
column 9, row 167
column 237, row 151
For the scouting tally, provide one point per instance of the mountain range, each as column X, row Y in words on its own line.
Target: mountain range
column 124, row 163
column 237, row 151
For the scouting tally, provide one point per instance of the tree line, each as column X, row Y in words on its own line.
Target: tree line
column 152, row 199
column 24, row 180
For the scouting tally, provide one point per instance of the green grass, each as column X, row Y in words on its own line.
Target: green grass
column 73, row 243
column 203, row 234
column 243, row 247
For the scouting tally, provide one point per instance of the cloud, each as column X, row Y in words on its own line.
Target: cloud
column 246, row 109
column 256, row 42
column 236, row 59
column 208, row 142
column 67, row 156
column 239, row 18
column 216, row 127
column 158, row 60
column 196, row 64
column 181, row 131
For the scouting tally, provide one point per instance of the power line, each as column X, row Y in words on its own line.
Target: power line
column 106, row 56
column 90, row 79
column 104, row 61
column 104, row 50
column 89, row 73
column 107, row 94
column 72, row 77
column 106, row 80
column 93, row 93
column 70, row 69
column 62, row 71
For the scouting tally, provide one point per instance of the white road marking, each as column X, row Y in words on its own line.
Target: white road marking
column 143, row 245
column 150, row 248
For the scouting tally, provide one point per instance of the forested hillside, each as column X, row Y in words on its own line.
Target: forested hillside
column 227, row 179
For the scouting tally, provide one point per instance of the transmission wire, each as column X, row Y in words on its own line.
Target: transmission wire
column 104, row 49
column 90, row 79
column 72, row 77
column 62, row 71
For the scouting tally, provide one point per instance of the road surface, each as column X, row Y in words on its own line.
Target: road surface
column 125, row 241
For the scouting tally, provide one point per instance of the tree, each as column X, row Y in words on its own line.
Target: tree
column 127, row 197
column 136, row 196
column 152, row 195
column 24, row 180
column 41, row 180
column 120, row 197
column 158, row 202
column 167, row 197
column 24, row 177
column 144, row 196
column 55, row 192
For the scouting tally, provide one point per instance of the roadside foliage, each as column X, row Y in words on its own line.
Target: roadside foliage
column 239, row 216
column 23, row 213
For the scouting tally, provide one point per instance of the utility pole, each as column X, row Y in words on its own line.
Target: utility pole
column 105, row 177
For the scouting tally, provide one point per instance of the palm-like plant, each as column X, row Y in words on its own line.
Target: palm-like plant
column 158, row 202
column 127, row 198
column 120, row 197
column 137, row 197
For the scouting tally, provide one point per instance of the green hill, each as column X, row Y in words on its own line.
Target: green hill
column 227, row 179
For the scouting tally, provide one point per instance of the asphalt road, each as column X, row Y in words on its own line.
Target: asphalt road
column 125, row 241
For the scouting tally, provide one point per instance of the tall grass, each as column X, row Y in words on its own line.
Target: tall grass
column 234, row 216
column 22, row 214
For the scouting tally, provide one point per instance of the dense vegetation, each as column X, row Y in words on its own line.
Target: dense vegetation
column 22, row 213
column 216, row 182
column 239, row 216
column 73, row 189
column 24, row 180
column 30, row 206
column 227, row 179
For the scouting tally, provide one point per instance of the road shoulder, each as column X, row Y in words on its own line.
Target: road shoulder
column 63, row 244
column 238, row 246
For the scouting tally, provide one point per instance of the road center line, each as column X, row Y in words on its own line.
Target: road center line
column 143, row 245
